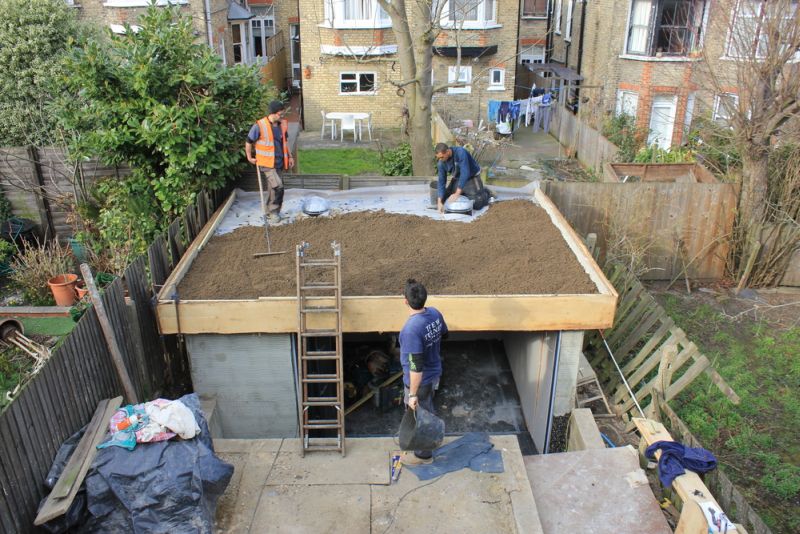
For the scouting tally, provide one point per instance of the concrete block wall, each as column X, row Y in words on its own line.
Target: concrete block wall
column 531, row 356
column 252, row 380
column 321, row 79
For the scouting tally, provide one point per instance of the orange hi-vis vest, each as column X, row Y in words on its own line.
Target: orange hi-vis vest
column 265, row 146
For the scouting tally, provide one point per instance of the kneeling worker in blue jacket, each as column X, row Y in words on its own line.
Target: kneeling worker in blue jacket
column 466, row 177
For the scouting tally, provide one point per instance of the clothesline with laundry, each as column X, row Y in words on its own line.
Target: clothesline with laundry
column 535, row 110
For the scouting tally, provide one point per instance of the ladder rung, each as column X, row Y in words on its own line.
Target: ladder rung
column 320, row 379
column 319, row 286
column 323, row 448
column 321, row 401
column 318, row 263
column 320, row 309
column 321, row 353
column 320, row 333
column 321, row 427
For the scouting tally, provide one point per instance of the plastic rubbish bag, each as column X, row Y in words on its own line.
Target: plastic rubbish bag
column 420, row 430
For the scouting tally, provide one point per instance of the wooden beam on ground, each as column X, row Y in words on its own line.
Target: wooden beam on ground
column 108, row 333
column 690, row 488
column 68, row 484
column 371, row 393
column 194, row 249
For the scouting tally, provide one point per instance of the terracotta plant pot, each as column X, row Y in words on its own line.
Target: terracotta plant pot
column 63, row 288
column 80, row 290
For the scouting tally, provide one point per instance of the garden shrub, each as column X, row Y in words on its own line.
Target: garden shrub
column 37, row 263
column 397, row 161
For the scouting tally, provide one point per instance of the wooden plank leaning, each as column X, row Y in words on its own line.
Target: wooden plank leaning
column 108, row 333
column 68, row 484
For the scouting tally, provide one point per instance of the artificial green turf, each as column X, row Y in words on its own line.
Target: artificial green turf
column 48, row 326
column 349, row 161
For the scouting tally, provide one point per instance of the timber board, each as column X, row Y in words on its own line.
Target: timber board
column 468, row 313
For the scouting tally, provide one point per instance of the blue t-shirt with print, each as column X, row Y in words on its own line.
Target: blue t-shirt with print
column 422, row 334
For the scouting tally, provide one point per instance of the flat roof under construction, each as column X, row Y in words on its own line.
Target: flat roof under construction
column 511, row 269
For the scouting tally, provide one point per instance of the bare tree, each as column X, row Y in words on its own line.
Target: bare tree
column 757, row 85
column 416, row 25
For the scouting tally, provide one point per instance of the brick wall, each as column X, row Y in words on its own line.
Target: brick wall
column 321, row 71
column 607, row 70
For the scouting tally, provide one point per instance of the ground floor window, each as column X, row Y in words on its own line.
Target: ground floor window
column 497, row 79
column 357, row 83
column 459, row 74
column 724, row 107
column 627, row 103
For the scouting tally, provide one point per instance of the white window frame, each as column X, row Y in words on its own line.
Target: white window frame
column 716, row 116
column 568, row 29
column 243, row 43
column 627, row 99
column 357, row 81
column 654, row 25
column 463, row 74
column 558, row 9
column 528, row 55
column 334, row 16
column 485, row 21
column 691, row 102
column 262, row 19
column 500, row 85
column 652, row 138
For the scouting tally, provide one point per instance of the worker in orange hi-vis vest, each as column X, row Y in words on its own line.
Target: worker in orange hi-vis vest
column 268, row 136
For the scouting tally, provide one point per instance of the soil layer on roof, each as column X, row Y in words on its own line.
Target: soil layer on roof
column 513, row 249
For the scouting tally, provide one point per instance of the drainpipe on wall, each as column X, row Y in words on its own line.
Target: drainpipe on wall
column 548, row 41
column 207, row 15
column 580, row 49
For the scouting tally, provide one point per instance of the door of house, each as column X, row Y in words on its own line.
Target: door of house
column 294, row 50
column 662, row 120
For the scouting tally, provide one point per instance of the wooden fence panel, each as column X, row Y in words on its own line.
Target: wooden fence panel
column 591, row 148
column 680, row 224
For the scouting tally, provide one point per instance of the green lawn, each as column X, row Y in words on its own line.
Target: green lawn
column 349, row 161
column 756, row 442
column 14, row 364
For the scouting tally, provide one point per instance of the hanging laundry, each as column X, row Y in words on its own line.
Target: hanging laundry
column 493, row 107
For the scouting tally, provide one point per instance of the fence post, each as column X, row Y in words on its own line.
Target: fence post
column 45, row 217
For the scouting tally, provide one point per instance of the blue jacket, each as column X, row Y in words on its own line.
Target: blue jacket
column 462, row 165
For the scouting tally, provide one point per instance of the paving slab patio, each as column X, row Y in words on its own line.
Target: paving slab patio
column 275, row 490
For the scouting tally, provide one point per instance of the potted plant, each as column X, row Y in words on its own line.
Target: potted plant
column 39, row 263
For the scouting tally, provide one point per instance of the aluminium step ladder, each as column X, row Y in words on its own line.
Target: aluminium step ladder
column 319, row 374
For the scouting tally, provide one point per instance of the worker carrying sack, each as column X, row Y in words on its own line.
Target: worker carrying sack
column 420, row 430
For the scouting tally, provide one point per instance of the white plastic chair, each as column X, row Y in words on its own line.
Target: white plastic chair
column 348, row 123
column 369, row 126
column 327, row 122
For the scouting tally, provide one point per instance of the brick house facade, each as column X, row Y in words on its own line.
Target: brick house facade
column 646, row 58
column 237, row 30
column 350, row 61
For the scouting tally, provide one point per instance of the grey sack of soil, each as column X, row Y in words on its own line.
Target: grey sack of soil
column 420, row 430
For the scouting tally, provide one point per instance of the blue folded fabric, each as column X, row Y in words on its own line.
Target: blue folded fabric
column 677, row 456
column 473, row 450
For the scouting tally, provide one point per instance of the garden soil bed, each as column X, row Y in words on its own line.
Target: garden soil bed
column 513, row 249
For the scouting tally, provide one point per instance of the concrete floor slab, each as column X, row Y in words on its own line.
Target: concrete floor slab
column 324, row 509
column 252, row 460
column 367, row 462
column 275, row 490
column 599, row 491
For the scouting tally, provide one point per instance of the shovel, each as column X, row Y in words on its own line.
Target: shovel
column 266, row 221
